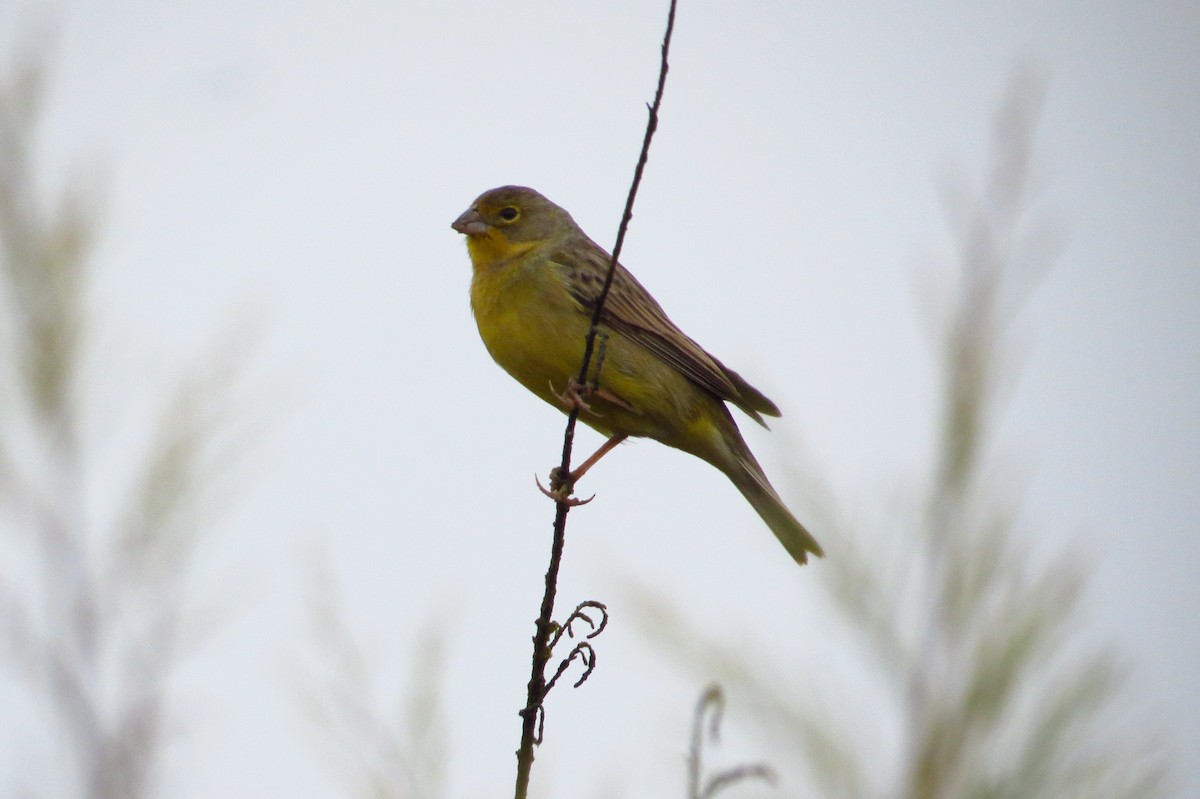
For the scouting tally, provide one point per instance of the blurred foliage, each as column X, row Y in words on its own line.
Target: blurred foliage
column 978, row 644
column 92, row 618
column 706, row 729
column 379, row 755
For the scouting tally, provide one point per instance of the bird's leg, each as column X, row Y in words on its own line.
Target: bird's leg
column 605, row 448
column 558, row 482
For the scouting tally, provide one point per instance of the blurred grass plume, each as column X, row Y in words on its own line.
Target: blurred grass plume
column 93, row 606
column 977, row 641
column 377, row 753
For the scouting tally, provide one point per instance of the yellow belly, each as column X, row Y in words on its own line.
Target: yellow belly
column 530, row 326
column 535, row 330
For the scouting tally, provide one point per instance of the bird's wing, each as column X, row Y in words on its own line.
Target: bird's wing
column 631, row 310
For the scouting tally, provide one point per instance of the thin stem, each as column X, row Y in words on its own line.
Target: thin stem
column 532, row 714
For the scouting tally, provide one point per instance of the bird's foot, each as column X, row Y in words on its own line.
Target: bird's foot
column 574, row 395
column 560, row 488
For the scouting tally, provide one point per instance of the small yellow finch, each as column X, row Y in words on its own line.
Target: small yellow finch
column 536, row 278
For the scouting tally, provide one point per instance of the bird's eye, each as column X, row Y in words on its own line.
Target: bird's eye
column 508, row 213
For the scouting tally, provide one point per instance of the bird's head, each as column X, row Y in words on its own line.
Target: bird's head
column 509, row 221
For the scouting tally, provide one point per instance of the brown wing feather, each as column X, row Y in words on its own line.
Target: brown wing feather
column 631, row 310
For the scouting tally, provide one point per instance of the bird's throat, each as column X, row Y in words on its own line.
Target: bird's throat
column 493, row 248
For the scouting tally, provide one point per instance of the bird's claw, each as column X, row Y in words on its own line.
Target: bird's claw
column 573, row 395
column 560, row 489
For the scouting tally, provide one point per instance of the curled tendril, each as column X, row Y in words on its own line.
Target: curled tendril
column 581, row 614
column 731, row 776
column 540, row 712
column 586, row 654
column 712, row 707
column 712, row 704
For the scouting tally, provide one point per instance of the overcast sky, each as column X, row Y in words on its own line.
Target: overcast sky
column 298, row 166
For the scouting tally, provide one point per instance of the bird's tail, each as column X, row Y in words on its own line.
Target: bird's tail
column 749, row 478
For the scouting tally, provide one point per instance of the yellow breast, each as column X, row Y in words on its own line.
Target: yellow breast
column 529, row 322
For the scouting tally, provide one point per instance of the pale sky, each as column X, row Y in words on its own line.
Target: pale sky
column 298, row 165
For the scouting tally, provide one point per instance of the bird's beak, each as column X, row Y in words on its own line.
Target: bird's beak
column 470, row 223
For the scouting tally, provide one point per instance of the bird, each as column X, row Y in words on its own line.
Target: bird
column 536, row 277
